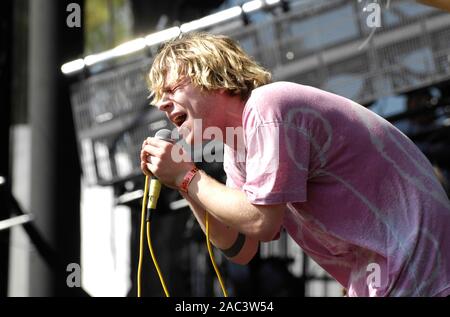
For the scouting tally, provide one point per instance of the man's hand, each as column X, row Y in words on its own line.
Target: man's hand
column 144, row 161
column 167, row 161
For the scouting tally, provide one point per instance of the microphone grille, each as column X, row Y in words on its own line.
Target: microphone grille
column 164, row 134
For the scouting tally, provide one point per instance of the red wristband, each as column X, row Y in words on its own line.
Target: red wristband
column 187, row 179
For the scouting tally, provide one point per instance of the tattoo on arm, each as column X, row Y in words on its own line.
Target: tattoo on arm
column 236, row 247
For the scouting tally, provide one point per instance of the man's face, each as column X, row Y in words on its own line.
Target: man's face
column 183, row 103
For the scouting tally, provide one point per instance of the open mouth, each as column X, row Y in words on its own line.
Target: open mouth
column 179, row 119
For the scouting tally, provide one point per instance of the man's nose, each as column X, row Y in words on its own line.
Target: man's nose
column 165, row 104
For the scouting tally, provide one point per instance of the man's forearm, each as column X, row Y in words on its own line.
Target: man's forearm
column 231, row 207
column 223, row 236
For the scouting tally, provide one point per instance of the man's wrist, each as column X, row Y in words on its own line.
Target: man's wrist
column 187, row 179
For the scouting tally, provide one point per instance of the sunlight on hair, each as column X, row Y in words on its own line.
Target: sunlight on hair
column 211, row 62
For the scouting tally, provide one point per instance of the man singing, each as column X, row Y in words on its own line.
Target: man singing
column 353, row 191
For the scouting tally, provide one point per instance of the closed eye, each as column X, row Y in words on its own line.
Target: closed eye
column 175, row 88
column 172, row 90
column 167, row 91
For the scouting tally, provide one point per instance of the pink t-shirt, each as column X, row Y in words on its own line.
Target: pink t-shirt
column 361, row 198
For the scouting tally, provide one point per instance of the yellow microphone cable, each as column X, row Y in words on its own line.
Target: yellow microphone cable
column 211, row 256
column 141, row 239
column 147, row 217
column 149, row 242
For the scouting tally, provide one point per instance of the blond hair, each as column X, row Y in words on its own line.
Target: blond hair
column 211, row 62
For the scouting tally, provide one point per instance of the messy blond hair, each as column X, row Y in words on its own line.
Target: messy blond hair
column 211, row 62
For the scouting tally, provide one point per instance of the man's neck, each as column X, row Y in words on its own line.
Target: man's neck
column 233, row 121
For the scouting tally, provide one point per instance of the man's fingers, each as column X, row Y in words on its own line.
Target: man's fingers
column 143, row 156
column 156, row 142
column 145, row 170
column 153, row 150
column 150, row 168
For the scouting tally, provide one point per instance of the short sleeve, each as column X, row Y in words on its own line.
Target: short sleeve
column 277, row 163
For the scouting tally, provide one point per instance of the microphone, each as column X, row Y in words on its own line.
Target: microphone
column 164, row 134
column 155, row 184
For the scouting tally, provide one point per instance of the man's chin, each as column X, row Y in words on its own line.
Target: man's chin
column 183, row 132
column 189, row 139
column 189, row 136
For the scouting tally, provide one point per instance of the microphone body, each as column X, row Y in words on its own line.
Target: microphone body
column 155, row 184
